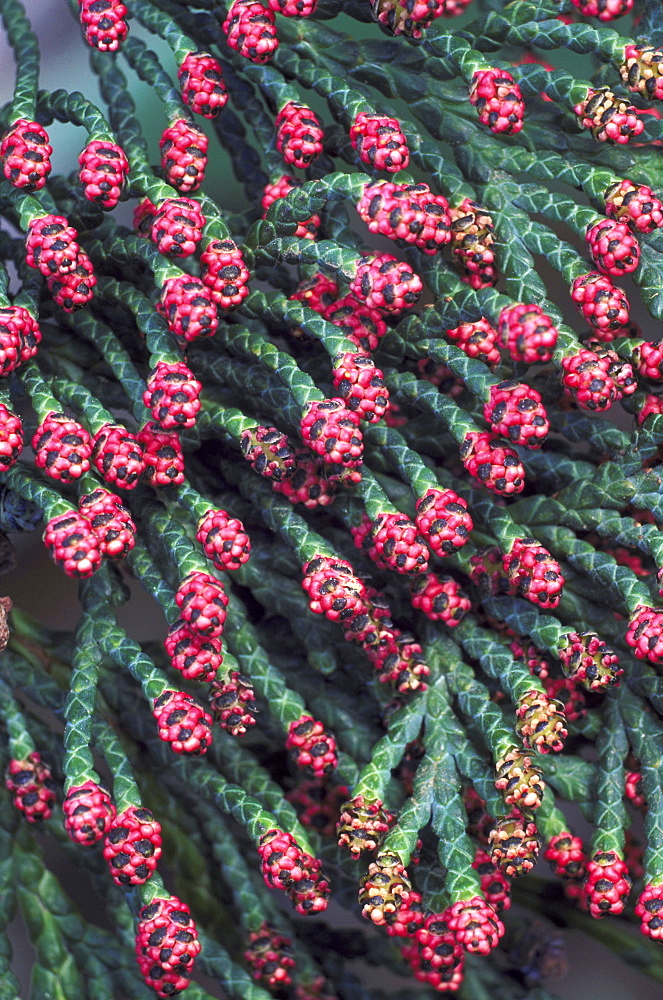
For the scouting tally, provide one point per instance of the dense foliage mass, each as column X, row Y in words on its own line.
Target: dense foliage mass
column 352, row 435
